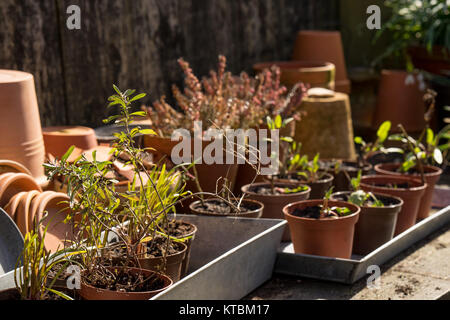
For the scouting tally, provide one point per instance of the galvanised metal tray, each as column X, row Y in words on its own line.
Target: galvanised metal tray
column 351, row 270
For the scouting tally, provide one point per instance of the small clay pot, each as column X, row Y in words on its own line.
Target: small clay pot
column 256, row 213
column 188, row 243
column 314, row 73
column 341, row 181
column 411, row 196
column 376, row 225
column 13, row 167
column 173, row 263
column 273, row 204
column 11, row 207
column 324, row 46
column 89, row 292
column 431, row 175
column 322, row 237
column 15, row 183
column 58, row 140
column 23, row 216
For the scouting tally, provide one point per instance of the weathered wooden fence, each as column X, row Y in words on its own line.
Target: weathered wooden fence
column 135, row 44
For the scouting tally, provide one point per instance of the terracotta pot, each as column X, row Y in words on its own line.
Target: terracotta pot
column 432, row 175
column 399, row 102
column 341, row 181
column 411, row 196
column 318, row 188
column 15, row 183
column 257, row 213
column 12, row 205
column 173, row 263
column 376, row 225
column 20, row 122
column 89, row 292
column 273, row 204
column 322, row 237
column 23, row 216
column 34, row 207
column 436, row 62
column 312, row 72
column 12, row 167
column 58, row 233
column 188, row 243
column 323, row 46
column 58, row 140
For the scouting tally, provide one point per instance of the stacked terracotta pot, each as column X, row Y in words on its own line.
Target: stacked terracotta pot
column 22, row 198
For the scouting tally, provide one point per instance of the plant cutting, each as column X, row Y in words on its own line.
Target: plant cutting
column 406, row 188
column 377, row 219
column 421, row 157
column 322, row 227
column 32, row 273
column 137, row 219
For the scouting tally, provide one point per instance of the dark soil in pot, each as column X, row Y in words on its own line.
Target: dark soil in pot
column 347, row 171
column 181, row 229
column 318, row 187
column 218, row 207
column 328, row 236
column 376, row 225
column 408, row 189
column 274, row 203
column 119, row 283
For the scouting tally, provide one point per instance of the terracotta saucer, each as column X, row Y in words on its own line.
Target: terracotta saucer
column 58, row 231
column 34, row 204
column 23, row 218
column 11, row 207
column 14, row 184
column 12, row 166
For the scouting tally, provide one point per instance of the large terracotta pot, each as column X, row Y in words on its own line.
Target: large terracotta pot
column 316, row 74
column 21, row 139
column 58, row 140
column 376, row 225
column 399, row 101
column 323, row 46
column 89, row 292
column 273, row 204
column 411, row 196
column 322, row 237
column 432, row 175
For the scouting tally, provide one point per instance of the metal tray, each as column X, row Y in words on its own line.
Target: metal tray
column 230, row 257
column 351, row 270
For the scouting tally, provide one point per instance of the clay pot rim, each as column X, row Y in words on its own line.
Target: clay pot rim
column 315, row 202
column 16, row 165
column 367, row 166
column 399, row 200
column 56, row 131
column 304, row 66
column 13, row 178
column 329, row 178
column 246, row 189
column 260, row 209
column 163, row 276
column 23, row 220
column 23, row 76
column 420, row 186
column 13, row 205
column 184, row 245
column 27, row 206
column 44, row 202
column 436, row 171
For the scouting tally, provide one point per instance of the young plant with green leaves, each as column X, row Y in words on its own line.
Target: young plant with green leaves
column 31, row 274
column 359, row 197
column 332, row 212
column 366, row 150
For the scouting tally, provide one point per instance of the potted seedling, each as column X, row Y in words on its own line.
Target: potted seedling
column 32, row 275
column 275, row 193
column 322, row 227
column 421, row 157
column 377, row 219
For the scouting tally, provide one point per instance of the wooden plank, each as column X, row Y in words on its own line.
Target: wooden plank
column 29, row 42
